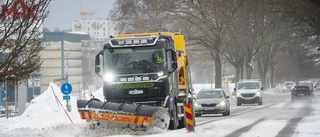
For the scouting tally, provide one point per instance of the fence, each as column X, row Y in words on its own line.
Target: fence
column 9, row 110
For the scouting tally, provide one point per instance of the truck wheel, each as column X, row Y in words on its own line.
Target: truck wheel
column 182, row 123
column 174, row 122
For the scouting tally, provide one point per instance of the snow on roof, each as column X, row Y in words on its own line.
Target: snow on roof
column 79, row 32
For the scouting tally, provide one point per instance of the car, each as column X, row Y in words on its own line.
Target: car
column 212, row 101
column 301, row 92
column 307, row 83
column 249, row 92
column 288, row 86
column 317, row 85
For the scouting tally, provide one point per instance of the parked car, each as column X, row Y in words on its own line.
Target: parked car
column 288, row 86
column 301, row 92
column 212, row 101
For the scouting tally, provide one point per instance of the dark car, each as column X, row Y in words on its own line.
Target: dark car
column 212, row 101
column 301, row 92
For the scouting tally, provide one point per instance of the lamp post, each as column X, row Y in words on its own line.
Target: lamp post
column 67, row 70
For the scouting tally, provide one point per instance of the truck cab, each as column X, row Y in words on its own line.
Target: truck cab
column 249, row 92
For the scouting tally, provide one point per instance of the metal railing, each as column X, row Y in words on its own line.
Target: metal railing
column 8, row 110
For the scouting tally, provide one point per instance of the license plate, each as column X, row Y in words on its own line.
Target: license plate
column 135, row 92
column 208, row 108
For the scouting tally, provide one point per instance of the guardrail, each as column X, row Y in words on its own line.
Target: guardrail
column 8, row 110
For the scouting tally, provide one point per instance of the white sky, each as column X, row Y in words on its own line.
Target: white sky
column 46, row 118
column 64, row 12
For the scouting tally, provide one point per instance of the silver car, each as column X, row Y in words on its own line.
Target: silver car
column 212, row 101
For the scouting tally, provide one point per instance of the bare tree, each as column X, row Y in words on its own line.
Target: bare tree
column 21, row 37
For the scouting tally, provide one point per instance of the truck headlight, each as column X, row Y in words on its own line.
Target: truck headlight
column 160, row 73
column 108, row 77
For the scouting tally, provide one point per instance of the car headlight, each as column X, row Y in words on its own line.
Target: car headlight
column 108, row 77
column 258, row 93
column 238, row 94
column 196, row 104
column 222, row 103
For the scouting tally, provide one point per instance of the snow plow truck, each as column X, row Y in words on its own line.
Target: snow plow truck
column 146, row 83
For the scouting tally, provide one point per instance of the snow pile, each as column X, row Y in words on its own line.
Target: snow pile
column 45, row 107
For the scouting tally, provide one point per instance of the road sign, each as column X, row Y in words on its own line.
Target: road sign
column 66, row 88
column 66, row 97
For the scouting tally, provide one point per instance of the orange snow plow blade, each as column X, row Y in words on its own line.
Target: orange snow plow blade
column 139, row 116
column 117, row 118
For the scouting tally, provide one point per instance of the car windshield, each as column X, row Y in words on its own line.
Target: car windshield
column 301, row 88
column 289, row 84
column 135, row 60
column 248, row 85
column 209, row 94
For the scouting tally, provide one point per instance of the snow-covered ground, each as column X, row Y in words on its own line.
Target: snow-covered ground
column 45, row 117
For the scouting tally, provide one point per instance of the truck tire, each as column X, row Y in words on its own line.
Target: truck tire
column 174, row 122
column 182, row 123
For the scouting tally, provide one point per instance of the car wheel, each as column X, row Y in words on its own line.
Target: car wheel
column 229, row 112
column 260, row 102
column 225, row 113
column 239, row 103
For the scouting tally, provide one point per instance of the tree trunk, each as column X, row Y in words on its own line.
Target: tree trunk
column 272, row 75
column 248, row 69
column 218, row 71
column 263, row 75
column 242, row 72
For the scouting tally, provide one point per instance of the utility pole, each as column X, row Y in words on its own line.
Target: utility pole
column 67, row 70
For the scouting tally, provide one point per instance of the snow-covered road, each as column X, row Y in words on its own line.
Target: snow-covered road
column 278, row 116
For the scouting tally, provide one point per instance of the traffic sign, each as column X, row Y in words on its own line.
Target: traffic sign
column 66, row 88
column 66, row 97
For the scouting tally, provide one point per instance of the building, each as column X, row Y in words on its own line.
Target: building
column 96, row 28
column 62, row 49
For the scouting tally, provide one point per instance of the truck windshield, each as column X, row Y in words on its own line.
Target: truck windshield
column 248, row 85
column 135, row 60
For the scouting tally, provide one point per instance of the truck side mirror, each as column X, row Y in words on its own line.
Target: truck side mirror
column 97, row 67
column 261, row 88
column 174, row 61
column 235, row 89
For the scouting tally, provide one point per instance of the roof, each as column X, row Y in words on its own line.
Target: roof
column 216, row 89
column 249, row 80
